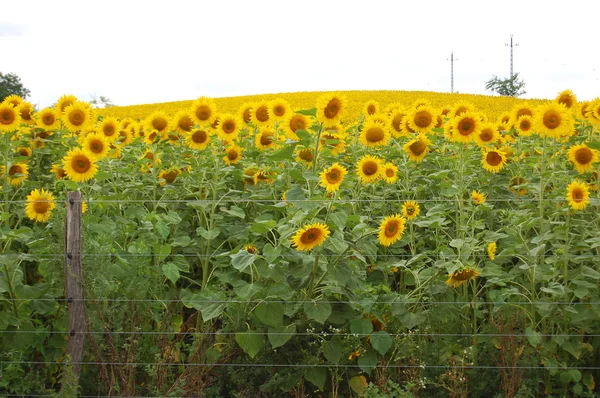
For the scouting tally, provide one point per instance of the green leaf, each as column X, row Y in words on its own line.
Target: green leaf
column 172, row 217
column 208, row 235
column 362, row 327
column 210, row 304
column 319, row 311
column 161, row 251
column 593, row 145
column 163, row 229
column 316, row 376
column 533, row 337
column 308, row 112
column 251, row 342
column 171, row 271
column 358, row 384
column 575, row 375
column 271, row 314
column 241, row 260
column 295, row 193
column 181, row 263
column 368, row 361
column 281, row 335
column 181, row 241
column 236, row 212
column 381, row 341
column 332, row 350
column 337, row 244
column 286, row 153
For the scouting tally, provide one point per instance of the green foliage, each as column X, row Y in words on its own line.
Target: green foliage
column 511, row 86
column 10, row 84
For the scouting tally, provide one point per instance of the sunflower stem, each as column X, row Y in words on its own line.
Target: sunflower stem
column 316, row 155
column 309, row 292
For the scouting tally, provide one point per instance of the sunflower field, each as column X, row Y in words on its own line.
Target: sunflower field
column 340, row 244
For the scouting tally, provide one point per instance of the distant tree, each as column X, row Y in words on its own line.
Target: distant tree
column 11, row 84
column 511, row 87
column 101, row 101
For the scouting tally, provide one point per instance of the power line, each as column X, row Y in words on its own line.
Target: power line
column 511, row 53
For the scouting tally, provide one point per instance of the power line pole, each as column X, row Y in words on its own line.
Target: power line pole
column 511, row 53
column 451, row 71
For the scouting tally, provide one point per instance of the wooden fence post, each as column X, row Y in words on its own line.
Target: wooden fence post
column 74, row 290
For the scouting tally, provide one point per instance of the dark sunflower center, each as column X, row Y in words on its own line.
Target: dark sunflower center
column 266, row 138
column 199, row 137
column 423, row 119
column 262, row 114
column 159, row 124
column 389, row 172
column 371, row 109
column 81, row 164
column 41, row 206
column 466, row 126
column 170, row 176
column 391, row 228
column 486, row 135
column 493, row 158
column 375, row 134
column 48, row 119
column 297, row 123
column 77, row 117
column 583, row 156
column 96, row 146
column 232, row 154
column 203, row 112
column 397, row 122
column 577, row 195
column 185, row 123
column 333, row 177
column 7, row 117
column 246, row 115
column 524, row 111
column 15, row 169
column 566, row 100
column 332, row 108
column 417, row 148
column 309, row 236
column 525, row 125
column 229, row 127
column 370, row 168
column 279, row 110
column 410, row 210
column 306, row 155
column 460, row 111
column 551, row 119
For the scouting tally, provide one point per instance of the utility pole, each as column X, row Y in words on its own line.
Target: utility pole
column 451, row 71
column 511, row 53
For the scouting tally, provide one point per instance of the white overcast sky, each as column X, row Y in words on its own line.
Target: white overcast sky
column 137, row 52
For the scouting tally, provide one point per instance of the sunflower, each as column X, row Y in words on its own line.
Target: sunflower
column 391, row 229
column 79, row 166
column 488, row 134
column 593, row 112
column 553, row 120
column 248, row 175
column 14, row 100
column 198, row 139
column 524, row 126
column 26, row 110
column 40, row 205
column 369, row 169
column 514, row 183
column 294, row 122
column 332, row 177
column 504, row 121
column 203, row 111
column 410, row 209
column 125, row 136
column 405, row 126
column 304, row 155
column 151, row 137
column 266, row 138
column 494, row 160
column 371, row 107
column 95, row 145
column 278, row 109
column 417, row 148
column 310, row 236
column 58, row 171
column 233, row 154
column 158, row 121
column 461, row 107
column 582, row 157
column 395, row 122
column 374, row 134
column 331, row 108
column 466, row 127
column 10, row 118
column 168, row 176
column 229, row 127
column 77, row 117
column 259, row 116
column 422, row 119
column 263, row 176
column 23, row 151
column 519, row 110
column 245, row 111
column 182, row 122
column 478, row 197
column 250, row 249
column 47, row 119
column 461, row 276
column 115, row 151
column 17, row 173
column 578, row 195
column 336, row 142
column 491, row 250
column 64, row 102
column 567, row 98
column 390, row 173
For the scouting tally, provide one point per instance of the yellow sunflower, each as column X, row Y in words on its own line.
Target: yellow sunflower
column 331, row 108
column 593, row 111
column 491, row 250
column 504, row 121
column 58, row 171
column 332, row 177
column 23, row 151
column 461, row 276
column 278, row 109
column 95, row 145
column 168, row 176
column 294, row 122
column 466, row 127
column 266, row 138
column 245, row 111
column 371, row 108
column 26, row 111
column 47, row 119
column 578, row 195
column 521, row 109
column 524, row 126
column 250, row 248
column 203, row 111
column 233, row 154
column 77, row 117
column 374, row 134
column 229, row 127
column 405, row 126
column 64, row 102
column 567, row 98
column 461, row 107
column 10, row 118
column 125, row 136
column 422, row 119
column 259, row 116
column 390, row 173
column 304, row 155
column 410, row 209
column 79, row 166
column 582, row 157
column 336, row 142
column 391, row 229
column 514, row 183
column 369, row 169
column 553, row 120
column 182, row 122
column 266, row 177
column 40, row 205
column 478, row 197
column 395, row 122
column 488, row 134
column 198, row 139
column 17, row 173
column 417, row 148
column 158, row 121
column 310, row 236
column 14, row 100
column 494, row 160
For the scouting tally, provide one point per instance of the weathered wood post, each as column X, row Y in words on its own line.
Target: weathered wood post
column 74, row 290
